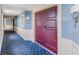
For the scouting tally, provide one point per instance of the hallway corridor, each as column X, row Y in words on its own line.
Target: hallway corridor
column 13, row 44
column 29, row 31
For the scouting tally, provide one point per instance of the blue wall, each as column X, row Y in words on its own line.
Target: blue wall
column 0, row 25
column 66, row 21
column 68, row 29
column 21, row 20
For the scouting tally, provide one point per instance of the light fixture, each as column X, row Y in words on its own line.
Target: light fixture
column 75, row 16
column 12, row 12
column 9, row 11
column 27, row 19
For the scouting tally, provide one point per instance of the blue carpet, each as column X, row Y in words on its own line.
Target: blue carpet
column 13, row 44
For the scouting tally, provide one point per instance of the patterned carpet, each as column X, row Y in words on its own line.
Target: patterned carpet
column 13, row 44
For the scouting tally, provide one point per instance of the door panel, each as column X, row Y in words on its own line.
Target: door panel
column 39, row 34
column 46, row 29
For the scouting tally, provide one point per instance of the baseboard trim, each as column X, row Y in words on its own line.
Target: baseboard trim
column 40, row 45
column 45, row 48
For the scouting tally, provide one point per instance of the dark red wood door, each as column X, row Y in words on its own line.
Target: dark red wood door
column 39, row 29
column 46, row 29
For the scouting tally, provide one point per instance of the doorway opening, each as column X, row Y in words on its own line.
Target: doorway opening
column 9, row 23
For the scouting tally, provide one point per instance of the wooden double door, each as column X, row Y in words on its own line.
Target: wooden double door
column 46, row 28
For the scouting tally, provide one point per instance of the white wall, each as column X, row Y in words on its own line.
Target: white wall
column 69, row 47
column 59, row 15
column 66, row 48
column 75, row 48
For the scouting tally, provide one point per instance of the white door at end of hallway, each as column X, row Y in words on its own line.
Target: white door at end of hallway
column 8, row 24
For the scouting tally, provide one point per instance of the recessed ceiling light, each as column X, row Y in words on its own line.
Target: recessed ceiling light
column 9, row 11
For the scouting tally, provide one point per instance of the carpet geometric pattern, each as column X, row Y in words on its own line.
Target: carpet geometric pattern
column 13, row 44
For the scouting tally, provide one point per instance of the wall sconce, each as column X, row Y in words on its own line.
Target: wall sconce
column 76, row 18
column 27, row 20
